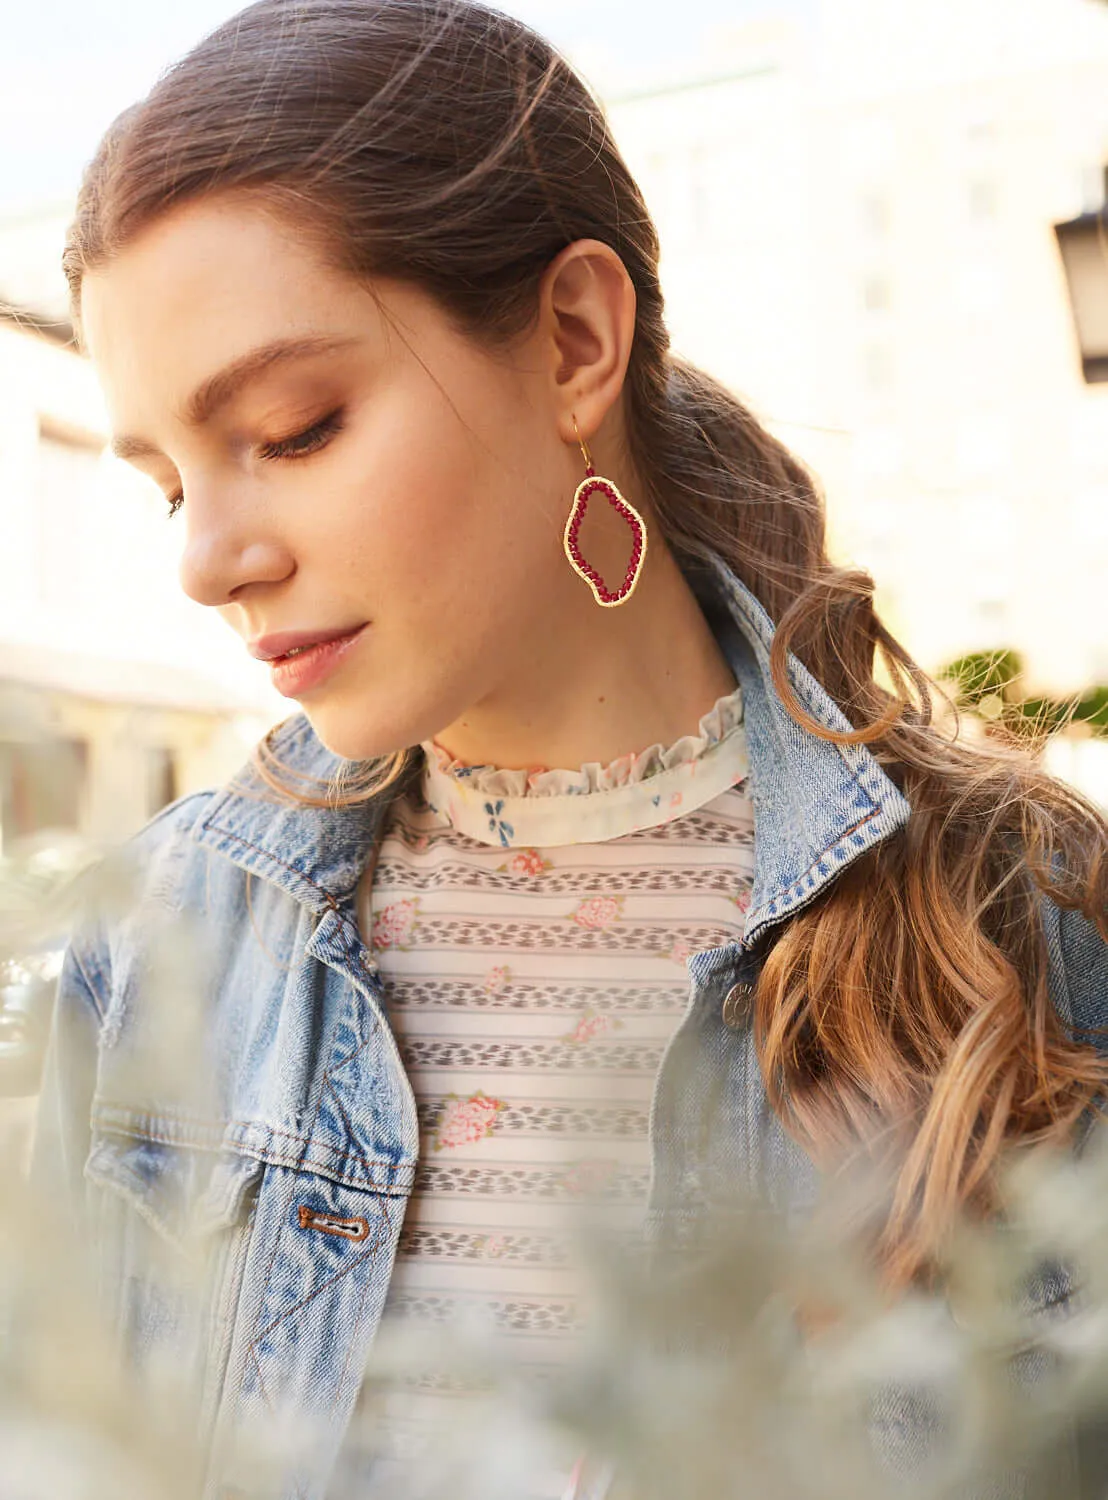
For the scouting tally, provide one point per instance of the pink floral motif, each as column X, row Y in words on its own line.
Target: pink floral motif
column 598, row 912
column 420, row 842
column 393, row 924
column 585, row 1178
column 681, row 950
column 742, row 900
column 496, row 979
column 526, row 862
column 620, row 769
column 466, row 1121
column 676, row 799
column 494, row 1245
column 591, row 1024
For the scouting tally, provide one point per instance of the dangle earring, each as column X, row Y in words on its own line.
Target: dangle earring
column 590, row 485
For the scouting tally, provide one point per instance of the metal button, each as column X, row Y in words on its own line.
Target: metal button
column 736, row 1006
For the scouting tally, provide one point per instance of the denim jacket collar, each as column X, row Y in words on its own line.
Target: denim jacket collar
column 817, row 805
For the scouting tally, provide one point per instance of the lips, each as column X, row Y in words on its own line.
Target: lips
column 290, row 643
column 303, row 667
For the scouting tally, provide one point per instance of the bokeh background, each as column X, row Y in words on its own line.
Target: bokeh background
column 857, row 202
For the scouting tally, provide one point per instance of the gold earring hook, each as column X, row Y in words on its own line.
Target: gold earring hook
column 584, row 447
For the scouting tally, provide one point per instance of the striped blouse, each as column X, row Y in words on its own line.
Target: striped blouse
column 532, row 930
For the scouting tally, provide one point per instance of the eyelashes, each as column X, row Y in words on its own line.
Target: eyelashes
column 305, row 442
column 300, row 445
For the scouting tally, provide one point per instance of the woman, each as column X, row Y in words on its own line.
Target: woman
column 371, row 292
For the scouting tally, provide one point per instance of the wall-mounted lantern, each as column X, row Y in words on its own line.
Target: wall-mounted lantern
column 1083, row 243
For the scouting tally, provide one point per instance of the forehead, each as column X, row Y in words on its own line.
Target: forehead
column 197, row 287
column 196, row 293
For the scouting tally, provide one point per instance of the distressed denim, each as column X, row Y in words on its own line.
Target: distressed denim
column 297, row 1169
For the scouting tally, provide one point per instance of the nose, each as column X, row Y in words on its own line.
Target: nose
column 226, row 549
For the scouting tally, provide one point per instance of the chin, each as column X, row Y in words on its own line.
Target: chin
column 350, row 737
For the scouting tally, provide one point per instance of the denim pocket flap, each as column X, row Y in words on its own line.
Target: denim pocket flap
column 184, row 1192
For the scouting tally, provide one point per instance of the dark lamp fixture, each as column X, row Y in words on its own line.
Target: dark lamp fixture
column 1083, row 244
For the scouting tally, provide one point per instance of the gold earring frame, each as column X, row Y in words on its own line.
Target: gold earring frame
column 592, row 484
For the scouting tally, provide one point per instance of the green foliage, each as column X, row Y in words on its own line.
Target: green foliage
column 980, row 673
column 988, row 684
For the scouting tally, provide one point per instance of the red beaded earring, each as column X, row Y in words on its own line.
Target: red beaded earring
column 592, row 483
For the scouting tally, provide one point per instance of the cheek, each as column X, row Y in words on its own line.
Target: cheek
column 438, row 522
column 404, row 523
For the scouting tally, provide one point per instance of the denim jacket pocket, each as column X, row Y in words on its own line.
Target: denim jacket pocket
column 180, row 1189
column 171, row 1223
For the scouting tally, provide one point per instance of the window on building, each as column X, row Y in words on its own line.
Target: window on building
column 161, row 779
column 1092, row 186
column 877, row 369
column 982, row 199
column 42, row 786
column 66, row 464
column 876, row 293
column 876, row 215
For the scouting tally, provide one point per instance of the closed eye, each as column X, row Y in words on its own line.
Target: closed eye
column 300, row 445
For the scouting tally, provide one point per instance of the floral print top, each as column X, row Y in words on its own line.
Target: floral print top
column 532, row 931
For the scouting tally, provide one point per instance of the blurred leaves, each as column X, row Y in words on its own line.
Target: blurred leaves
column 763, row 1360
column 988, row 685
column 741, row 1353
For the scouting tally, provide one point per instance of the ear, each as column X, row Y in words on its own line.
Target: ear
column 587, row 308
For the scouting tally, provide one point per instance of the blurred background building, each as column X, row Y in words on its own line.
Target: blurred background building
column 115, row 694
column 856, row 203
column 857, row 226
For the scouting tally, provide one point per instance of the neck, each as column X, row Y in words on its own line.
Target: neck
column 595, row 684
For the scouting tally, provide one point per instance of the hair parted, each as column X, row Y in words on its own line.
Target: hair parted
column 447, row 144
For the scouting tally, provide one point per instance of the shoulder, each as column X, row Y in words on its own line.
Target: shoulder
column 162, row 849
column 160, row 868
column 175, row 821
column 189, row 857
column 168, row 845
column 111, row 895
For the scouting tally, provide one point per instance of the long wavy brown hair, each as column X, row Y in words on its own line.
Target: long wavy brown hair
column 448, row 144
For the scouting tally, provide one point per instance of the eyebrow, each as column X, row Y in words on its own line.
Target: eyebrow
column 215, row 392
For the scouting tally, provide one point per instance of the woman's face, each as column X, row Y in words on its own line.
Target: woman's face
column 420, row 501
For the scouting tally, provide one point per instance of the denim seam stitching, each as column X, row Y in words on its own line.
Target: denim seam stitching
column 873, row 812
column 361, row 1303
column 280, row 863
column 277, row 1240
column 366, row 1161
column 337, row 1100
column 311, row 1296
column 876, row 809
column 293, row 1162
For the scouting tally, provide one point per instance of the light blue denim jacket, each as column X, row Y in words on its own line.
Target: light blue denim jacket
column 310, row 1110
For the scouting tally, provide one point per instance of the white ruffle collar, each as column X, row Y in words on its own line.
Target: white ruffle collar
column 533, row 808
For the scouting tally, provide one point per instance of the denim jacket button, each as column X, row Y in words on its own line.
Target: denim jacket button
column 736, row 1006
